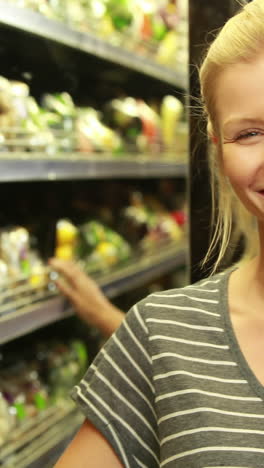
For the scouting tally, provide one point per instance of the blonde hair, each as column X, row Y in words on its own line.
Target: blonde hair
column 240, row 40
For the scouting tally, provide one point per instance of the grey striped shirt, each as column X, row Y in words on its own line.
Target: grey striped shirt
column 171, row 387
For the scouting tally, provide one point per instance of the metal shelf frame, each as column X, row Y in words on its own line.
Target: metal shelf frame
column 28, row 319
column 38, row 25
column 19, row 167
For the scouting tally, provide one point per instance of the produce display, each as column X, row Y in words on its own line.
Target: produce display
column 35, row 380
column 143, row 226
column 57, row 126
column 30, row 386
column 156, row 28
column 18, row 259
column 147, row 224
column 97, row 246
column 27, row 126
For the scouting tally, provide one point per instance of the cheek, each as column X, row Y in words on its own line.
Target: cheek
column 237, row 168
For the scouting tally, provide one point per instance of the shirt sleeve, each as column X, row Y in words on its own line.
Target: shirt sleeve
column 117, row 394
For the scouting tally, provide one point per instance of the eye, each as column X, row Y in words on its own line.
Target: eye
column 246, row 137
column 249, row 134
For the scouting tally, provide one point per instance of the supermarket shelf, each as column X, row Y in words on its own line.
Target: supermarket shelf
column 39, row 443
column 16, row 167
column 36, row 24
column 32, row 317
column 154, row 265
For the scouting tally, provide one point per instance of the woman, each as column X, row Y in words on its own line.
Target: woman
column 181, row 382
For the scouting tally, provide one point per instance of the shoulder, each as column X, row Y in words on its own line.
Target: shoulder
column 204, row 289
column 195, row 303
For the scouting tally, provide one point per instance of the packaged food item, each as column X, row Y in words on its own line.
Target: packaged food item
column 14, row 249
column 23, row 124
column 100, row 248
column 23, row 391
column 4, row 274
column 41, row 6
column 62, row 104
column 18, row 260
column 64, row 366
column 150, row 27
column 93, row 135
column 137, row 122
column 126, row 125
column 148, row 225
column 20, row 94
column 31, row 384
column 7, row 113
column 7, row 421
column 171, row 112
column 60, row 113
column 66, row 237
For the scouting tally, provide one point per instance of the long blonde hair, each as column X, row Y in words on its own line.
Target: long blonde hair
column 240, row 40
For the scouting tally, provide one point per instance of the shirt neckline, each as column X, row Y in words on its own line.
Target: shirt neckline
column 234, row 345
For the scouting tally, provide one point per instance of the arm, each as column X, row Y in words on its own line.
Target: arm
column 89, row 448
column 90, row 303
column 117, row 396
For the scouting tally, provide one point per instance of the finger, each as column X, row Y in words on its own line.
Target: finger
column 59, row 264
column 68, row 291
column 69, row 269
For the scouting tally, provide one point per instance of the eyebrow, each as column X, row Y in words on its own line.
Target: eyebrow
column 244, row 121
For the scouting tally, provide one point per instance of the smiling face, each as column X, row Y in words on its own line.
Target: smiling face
column 240, row 111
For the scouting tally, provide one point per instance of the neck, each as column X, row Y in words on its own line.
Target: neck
column 251, row 274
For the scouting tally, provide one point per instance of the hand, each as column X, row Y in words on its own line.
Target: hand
column 86, row 296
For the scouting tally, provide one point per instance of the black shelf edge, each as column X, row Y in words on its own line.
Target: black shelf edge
column 23, row 167
column 31, row 318
column 36, row 24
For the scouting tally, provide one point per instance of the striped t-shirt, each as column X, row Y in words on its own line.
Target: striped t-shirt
column 171, row 388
